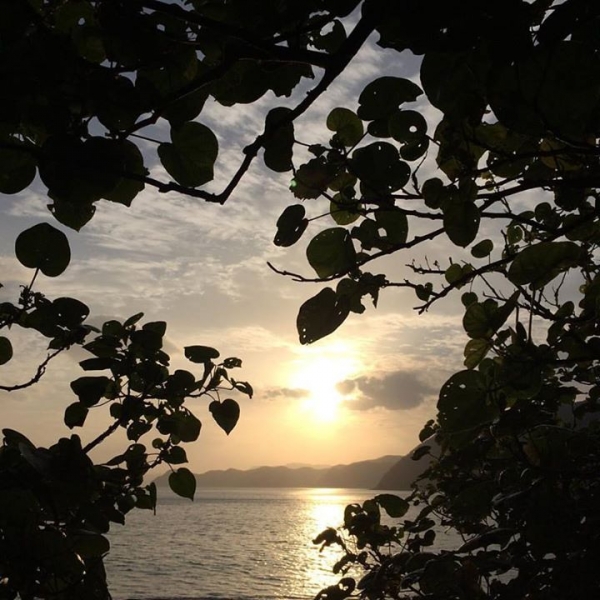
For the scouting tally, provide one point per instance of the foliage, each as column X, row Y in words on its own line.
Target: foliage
column 509, row 177
column 55, row 503
column 516, row 446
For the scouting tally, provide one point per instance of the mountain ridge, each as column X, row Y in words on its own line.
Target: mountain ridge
column 365, row 474
column 391, row 472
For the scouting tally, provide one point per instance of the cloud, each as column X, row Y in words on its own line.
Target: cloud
column 283, row 392
column 400, row 390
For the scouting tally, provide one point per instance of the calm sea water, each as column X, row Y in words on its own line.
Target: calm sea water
column 229, row 544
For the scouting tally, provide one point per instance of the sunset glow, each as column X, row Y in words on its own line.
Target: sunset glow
column 319, row 373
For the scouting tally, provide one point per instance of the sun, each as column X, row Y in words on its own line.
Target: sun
column 318, row 372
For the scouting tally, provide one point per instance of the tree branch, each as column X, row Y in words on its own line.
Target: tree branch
column 38, row 374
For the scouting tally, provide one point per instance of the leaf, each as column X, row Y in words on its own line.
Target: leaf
column 379, row 167
column 407, row 126
column 188, row 427
column 45, row 248
column 434, row 192
column 395, row 225
column 538, row 265
column 200, row 354
column 453, row 273
column 427, row 431
column 290, row 226
column 331, row 252
column 475, row 352
column 79, row 173
column 279, row 140
column 175, row 456
column 71, row 214
column 244, row 387
column 451, row 82
column 130, row 321
column 344, row 210
column 393, row 505
column 131, row 162
column 384, row 95
column 17, row 168
column 312, row 179
column 6, row 350
column 183, row 483
column 225, row 413
column 482, row 249
column 232, row 363
column 482, row 320
column 348, row 127
column 321, row 315
column 75, row 415
column 190, row 158
column 420, row 452
column 463, row 406
column 70, row 312
column 90, row 390
column 181, row 383
column 332, row 40
column 461, row 222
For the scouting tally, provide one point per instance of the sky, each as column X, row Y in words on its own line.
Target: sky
column 362, row 392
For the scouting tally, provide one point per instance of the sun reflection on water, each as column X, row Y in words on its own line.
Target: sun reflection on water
column 244, row 544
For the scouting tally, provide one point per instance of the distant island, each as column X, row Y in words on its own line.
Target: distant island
column 385, row 473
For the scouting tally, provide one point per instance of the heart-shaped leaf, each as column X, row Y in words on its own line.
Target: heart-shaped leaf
column 183, row 483
column 225, row 413
column 45, row 248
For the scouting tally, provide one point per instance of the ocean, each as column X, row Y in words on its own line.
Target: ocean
column 228, row 544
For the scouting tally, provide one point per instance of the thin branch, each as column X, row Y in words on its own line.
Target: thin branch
column 38, row 374
column 110, row 430
column 390, row 250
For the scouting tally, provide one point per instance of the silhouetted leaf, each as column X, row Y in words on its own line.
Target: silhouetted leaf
column 348, row 127
column 407, row 126
column 75, row 415
column 539, row 264
column 189, row 159
column 70, row 312
column 384, row 95
column 321, row 315
column 45, row 248
column 175, row 456
column 279, row 140
column 183, row 483
column 225, row 413
column 331, row 252
column 463, row 406
column 17, row 169
column 312, row 179
column 461, row 222
column 380, row 169
column 420, row 452
column 6, row 350
column 90, row 390
column 290, row 225
column 394, row 506
column 482, row 249
column 200, row 354
column 232, row 363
